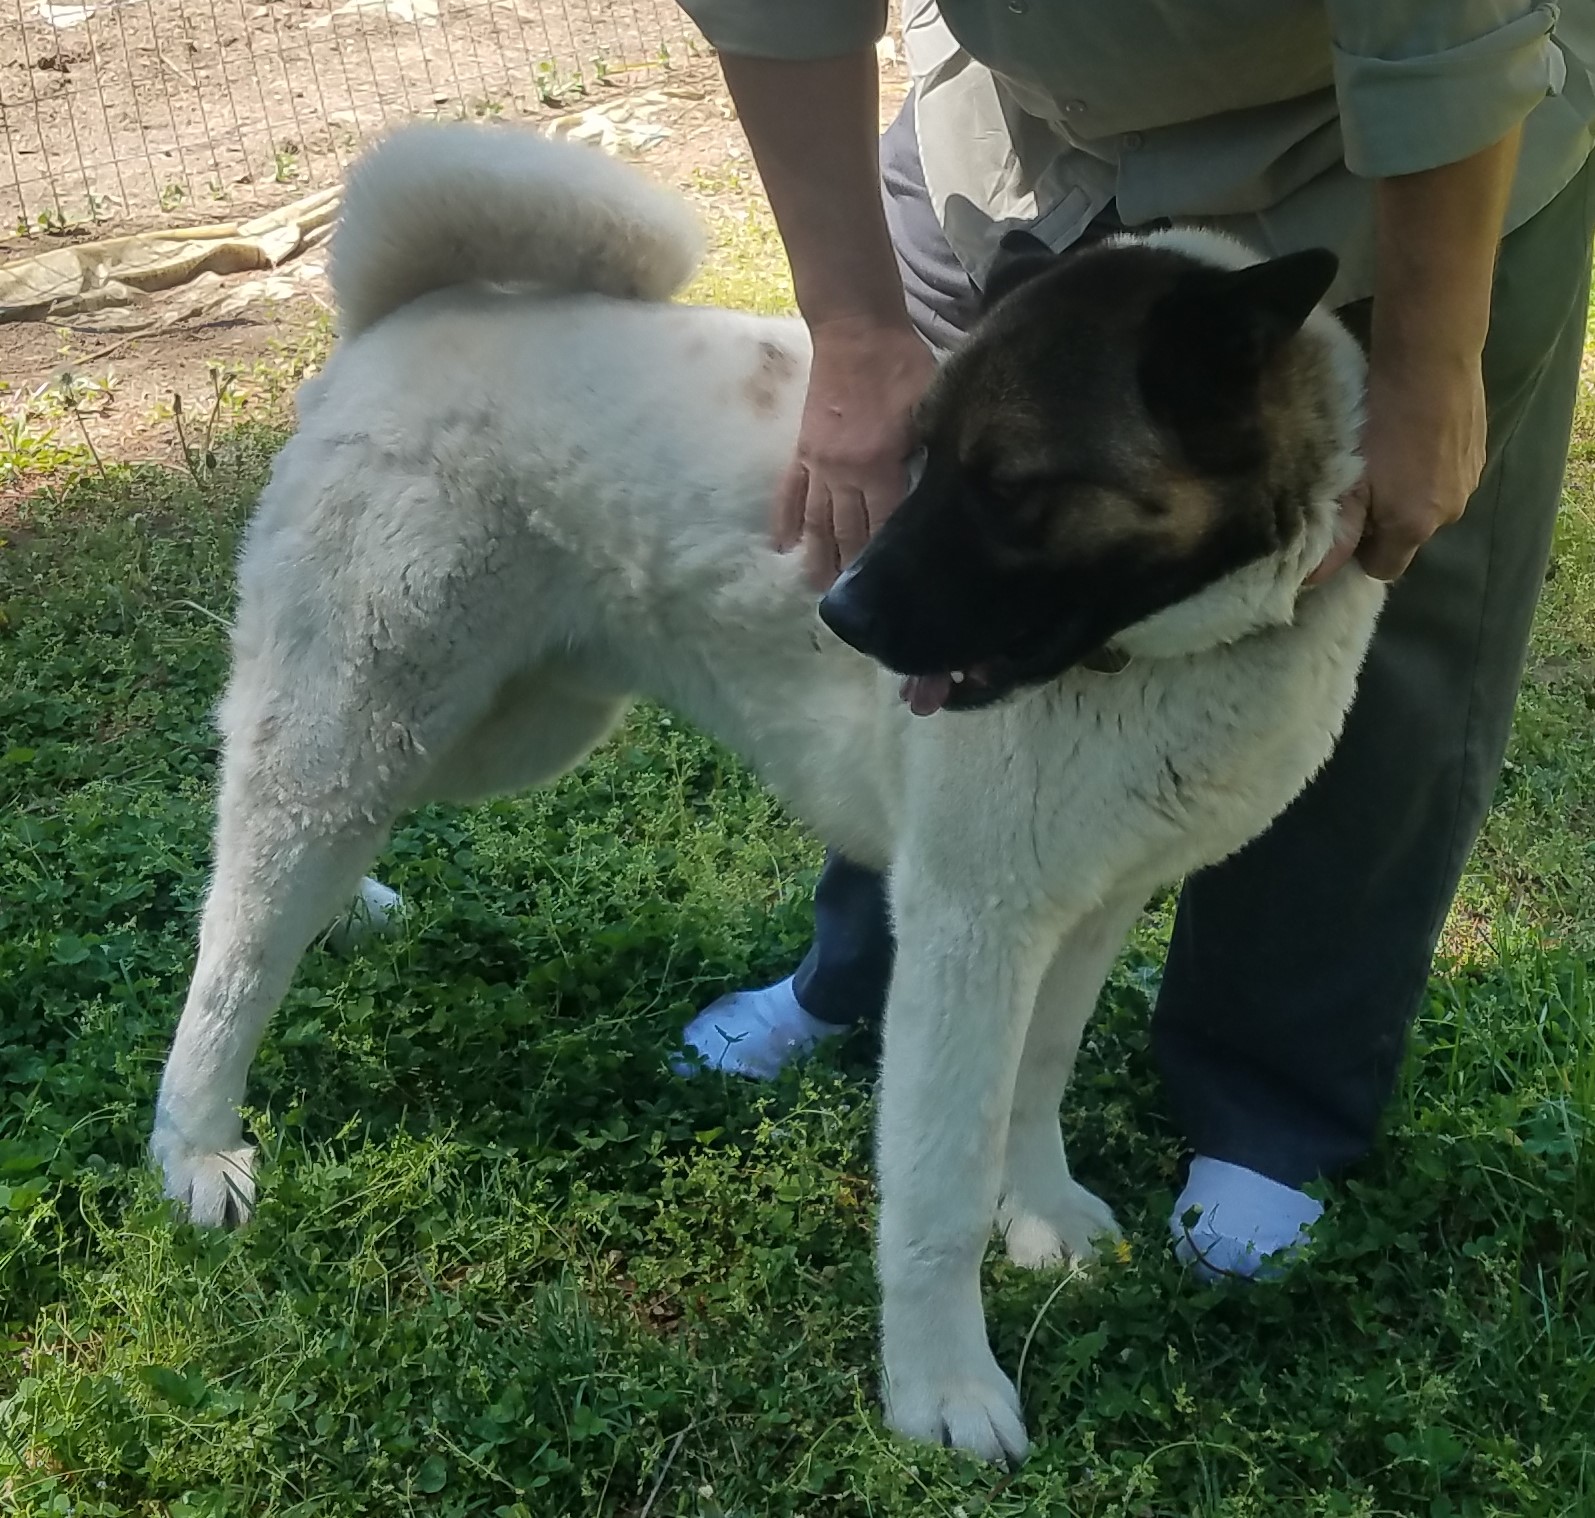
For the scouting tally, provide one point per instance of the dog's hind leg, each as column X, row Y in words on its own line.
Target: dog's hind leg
column 275, row 886
column 315, row 767
column 1045, row 1215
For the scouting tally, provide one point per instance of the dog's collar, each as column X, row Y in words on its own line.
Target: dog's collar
column 1110, row 659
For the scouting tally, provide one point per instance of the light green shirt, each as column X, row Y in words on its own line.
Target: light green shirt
column 1268, row 119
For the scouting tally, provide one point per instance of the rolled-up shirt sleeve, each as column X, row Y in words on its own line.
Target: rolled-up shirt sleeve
column 1422, row 83
column 795, row 29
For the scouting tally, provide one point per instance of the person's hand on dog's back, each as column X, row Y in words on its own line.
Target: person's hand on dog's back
column 850, row 468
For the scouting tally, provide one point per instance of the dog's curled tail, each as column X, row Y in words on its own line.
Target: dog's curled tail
column 436, row 205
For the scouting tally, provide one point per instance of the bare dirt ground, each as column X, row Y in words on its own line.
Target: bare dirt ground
column 206, row 110
column 131, row 378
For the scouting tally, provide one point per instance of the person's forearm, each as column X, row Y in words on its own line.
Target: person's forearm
column 1425, row 438
column 814, row 128
column 1437, row 234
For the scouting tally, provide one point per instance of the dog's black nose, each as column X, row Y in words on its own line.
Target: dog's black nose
column 842, row 610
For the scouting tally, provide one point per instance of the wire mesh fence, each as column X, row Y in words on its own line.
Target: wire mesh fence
column 115, row 109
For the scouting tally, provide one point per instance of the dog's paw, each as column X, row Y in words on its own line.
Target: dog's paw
column 1075, row 1227
column 375, row 912
column 974, row 1408
column 216, row 1187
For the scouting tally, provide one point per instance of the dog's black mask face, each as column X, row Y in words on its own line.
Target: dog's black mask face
column 1125, row 426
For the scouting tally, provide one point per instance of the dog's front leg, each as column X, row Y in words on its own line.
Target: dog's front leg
column 1046, row 1216
column 962, row 994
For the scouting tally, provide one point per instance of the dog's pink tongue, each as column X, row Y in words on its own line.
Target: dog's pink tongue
column 927, row 693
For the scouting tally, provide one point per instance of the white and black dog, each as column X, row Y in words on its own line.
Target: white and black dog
column 528, row 487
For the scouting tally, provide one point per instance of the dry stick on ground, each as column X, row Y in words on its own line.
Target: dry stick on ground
column 664, row 1470
column 104, row 353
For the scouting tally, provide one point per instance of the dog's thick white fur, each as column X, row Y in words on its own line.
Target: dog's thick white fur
column 508, row 510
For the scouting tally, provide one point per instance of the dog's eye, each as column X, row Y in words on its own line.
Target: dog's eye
column 1015, row 512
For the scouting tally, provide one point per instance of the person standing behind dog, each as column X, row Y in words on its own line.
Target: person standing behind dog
column 1441, row 148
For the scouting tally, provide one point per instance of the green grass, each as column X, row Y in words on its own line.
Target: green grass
column 506, row 1264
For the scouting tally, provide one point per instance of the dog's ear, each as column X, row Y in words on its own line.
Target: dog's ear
column 1232, row 322
column 1209, row 339
column 1020, row 257
column 1264, row 306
